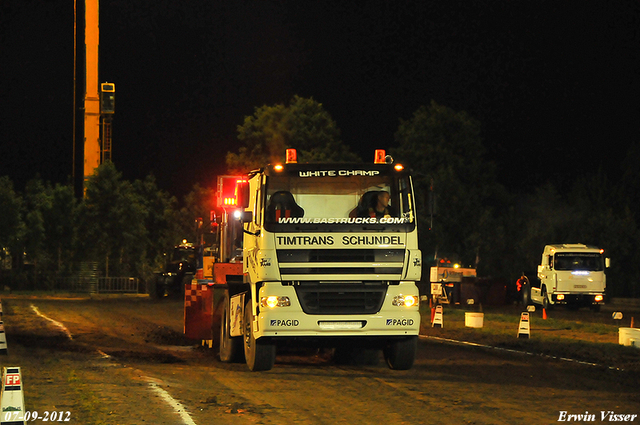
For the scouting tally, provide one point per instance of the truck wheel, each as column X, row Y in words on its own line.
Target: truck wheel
column 400, row 354
column 526, row 295
column 260, row 355
column 546, row 304
column 230, row 346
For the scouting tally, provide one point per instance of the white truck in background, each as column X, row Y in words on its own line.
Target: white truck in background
column 570, row 274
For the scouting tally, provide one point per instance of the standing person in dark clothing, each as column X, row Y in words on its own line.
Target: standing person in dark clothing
column 522, row 286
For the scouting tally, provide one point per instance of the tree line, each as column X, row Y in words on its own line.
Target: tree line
column 504, row 233
column 127, row 227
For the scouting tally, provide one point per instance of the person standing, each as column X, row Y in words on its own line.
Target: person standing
column 522, row 286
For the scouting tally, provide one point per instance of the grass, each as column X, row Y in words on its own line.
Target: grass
column 582, row 336
column 87, row 404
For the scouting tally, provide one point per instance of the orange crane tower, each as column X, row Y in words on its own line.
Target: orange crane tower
column 91, row 96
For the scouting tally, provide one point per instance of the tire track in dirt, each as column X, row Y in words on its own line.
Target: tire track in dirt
column 448, row 384
column 301, row 392
column 57, row 324
column 154, row 384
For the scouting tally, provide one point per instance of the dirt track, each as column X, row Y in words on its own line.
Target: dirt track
column 122, row 351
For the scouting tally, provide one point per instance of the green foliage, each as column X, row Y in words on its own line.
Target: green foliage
column 50, row 224
column 631, row 179
column 112, row 222
column 475, row 218
column 161, row 225
column 601, row 217
column 445, row 150
column 11, row 223
column 303, row 124
column 195, row 216
column 61, row 226
column 543, row 218
column 127, row 226
column 37, row 201
column 594, row 213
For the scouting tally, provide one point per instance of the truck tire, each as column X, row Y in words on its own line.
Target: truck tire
column 230, row 346
column 260, row 355
column 400, row 354
column 546, row 304
column 526, row 295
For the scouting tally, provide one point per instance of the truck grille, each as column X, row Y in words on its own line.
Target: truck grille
column 333, row 264
column 341, row 298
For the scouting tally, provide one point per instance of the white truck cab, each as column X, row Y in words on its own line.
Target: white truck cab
column 329, row 257
column 571, row 274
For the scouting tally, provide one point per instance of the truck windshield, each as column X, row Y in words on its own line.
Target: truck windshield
column 579, row 261
column 326, row 200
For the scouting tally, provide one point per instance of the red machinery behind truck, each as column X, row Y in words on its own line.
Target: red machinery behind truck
column 218, row 266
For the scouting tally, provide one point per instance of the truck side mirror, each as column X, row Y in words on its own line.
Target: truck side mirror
column 607, row 262
column 246, row 216
column 540, row 268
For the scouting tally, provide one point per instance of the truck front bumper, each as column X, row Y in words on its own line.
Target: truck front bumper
column 580, row 299
column 292, row 321
column 272, row 324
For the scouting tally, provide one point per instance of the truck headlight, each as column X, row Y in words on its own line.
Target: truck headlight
column 560, row 297
column 405, row 300
column 273, row 301
column 598, row 298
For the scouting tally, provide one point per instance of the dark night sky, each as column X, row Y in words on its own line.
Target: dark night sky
column 554, row 83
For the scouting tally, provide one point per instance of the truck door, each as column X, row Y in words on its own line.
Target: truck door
column 544, row 272
column 552, row 276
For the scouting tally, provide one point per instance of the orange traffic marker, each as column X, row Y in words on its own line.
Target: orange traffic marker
column 544, row 314
column 631, row 322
